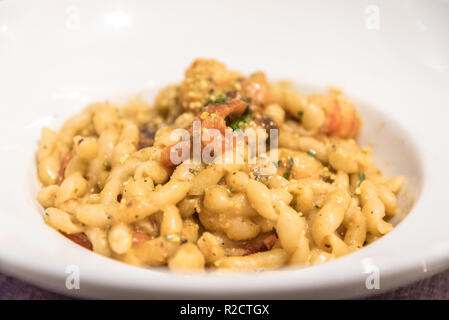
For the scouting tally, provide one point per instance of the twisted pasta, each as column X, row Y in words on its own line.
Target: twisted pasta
column 310, row 196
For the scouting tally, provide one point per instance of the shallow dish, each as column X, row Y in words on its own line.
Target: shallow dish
column 390, row 58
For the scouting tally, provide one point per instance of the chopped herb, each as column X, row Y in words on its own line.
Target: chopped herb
column 247, row 100
column 312, row 153
column 362, row 177
column 300, row 114
column 204, row 192
column 317, row 206
column 106, row 166
column 193, row 171
column 288, row 172
column 328, row 179
column 239, row 123
column 76, row 190
column 46, row 214
column 219, row 100
column 183, row 241
column 248, row 110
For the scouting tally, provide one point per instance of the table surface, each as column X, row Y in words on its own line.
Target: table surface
column 436, row 287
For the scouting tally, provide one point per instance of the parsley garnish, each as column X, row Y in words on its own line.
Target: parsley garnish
column 362, row 177
column 311, row 153
column 76, row 190
column 219, row 100
column 248, row 110
column 238, row 123
column 300, row 114
column 247, row 100
column 317, row 206
column 288, row 172
column 328, row 179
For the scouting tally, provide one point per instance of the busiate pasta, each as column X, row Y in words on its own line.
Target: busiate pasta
column 110, row 185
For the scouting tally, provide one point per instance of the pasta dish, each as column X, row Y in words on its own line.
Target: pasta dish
column 221, row 172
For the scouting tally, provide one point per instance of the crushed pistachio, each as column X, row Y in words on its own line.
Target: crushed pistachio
column 106, row 165
column 238, row 85
column 366, row 150
column 172, row 238
column 326, row 172
column 195, row 105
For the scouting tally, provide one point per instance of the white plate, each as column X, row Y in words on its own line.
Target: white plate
column 391, row 57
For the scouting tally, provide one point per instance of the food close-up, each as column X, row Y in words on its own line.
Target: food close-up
column 110, row 185
column 201, row 151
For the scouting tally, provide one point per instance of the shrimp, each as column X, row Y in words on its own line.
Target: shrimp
column 139, row 238
column 342, row 119
column 207, row 80
column 213, row 118
column 298, row 164
column 257, row 88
